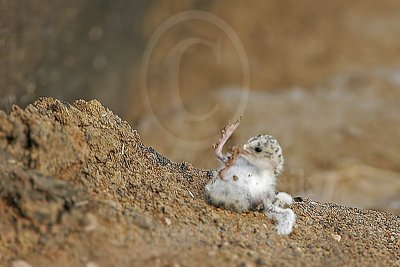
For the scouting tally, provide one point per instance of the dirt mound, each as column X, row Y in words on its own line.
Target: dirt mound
column 78, row 188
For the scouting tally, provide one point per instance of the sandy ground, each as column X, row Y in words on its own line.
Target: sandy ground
column 78, row 188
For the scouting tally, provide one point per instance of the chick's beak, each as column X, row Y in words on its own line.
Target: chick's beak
column 246, row 151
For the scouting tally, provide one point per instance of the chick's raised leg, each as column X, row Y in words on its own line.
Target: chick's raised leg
column 226, row 133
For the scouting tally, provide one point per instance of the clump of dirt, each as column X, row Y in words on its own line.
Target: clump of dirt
column 77, row 187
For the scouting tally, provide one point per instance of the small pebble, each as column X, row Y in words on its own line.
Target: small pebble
column 337, row 237
column 260, row 262
column 92, row 222
column 245, row 264
column 92, row 264
column 215, row 216
column 20, row 263
column 251, row 253
column 212, row 252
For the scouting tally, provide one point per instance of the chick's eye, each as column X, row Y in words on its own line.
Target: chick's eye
column 258, row 149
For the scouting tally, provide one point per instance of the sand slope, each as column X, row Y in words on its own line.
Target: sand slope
column 78, row 188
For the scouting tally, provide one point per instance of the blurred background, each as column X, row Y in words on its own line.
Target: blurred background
column 323, row 77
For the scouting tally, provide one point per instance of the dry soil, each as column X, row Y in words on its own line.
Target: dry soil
column 78, row 188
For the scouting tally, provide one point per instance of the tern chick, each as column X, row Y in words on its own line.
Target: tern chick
column 247, row 177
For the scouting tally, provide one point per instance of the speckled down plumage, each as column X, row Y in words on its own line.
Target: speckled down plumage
column 247, row 179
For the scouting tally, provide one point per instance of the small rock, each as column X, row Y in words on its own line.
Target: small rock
column 251, row 253
column 245, row 264
column 92, row 222
column 212, row 252
column 167, row 221
column 143, row 221
column 214, row 216
column 337, row 237
column 235, row 257
column 20, row 263
column 113, row 204
column 167, row 209
column 92, row 264
column 260, row 262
